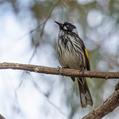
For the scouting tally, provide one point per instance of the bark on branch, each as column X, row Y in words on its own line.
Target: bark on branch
column 59, row 71
column 1, row 117
column 108, row 106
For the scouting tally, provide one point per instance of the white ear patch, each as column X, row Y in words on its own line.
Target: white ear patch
column 75, row 31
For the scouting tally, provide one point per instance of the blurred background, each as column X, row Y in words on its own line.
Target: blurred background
column 28, row 35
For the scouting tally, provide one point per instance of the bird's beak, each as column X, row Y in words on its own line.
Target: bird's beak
column 60, row 24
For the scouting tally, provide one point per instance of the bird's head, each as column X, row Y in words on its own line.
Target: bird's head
column 66, row 26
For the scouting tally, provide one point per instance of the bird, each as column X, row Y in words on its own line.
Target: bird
column 73, row 54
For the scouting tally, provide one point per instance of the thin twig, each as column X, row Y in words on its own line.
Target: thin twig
column 50, row 13
column 59, row 71
column 42, row 25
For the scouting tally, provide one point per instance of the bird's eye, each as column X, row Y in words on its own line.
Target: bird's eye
column 65, row 28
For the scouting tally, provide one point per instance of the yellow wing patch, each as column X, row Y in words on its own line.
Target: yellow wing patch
column 87, row 60
column 86, row 52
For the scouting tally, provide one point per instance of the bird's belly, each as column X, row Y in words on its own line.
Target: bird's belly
column 70, row 60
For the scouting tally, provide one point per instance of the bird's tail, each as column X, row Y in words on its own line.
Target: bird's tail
column 84, row 91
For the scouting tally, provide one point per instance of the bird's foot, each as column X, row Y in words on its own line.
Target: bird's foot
column 60, row 69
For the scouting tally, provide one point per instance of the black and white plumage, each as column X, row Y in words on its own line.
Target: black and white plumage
column 72, row 54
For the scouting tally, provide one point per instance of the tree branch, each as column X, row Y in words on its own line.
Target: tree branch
column 59, row 71
column 108, row 106
column 1, row 117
